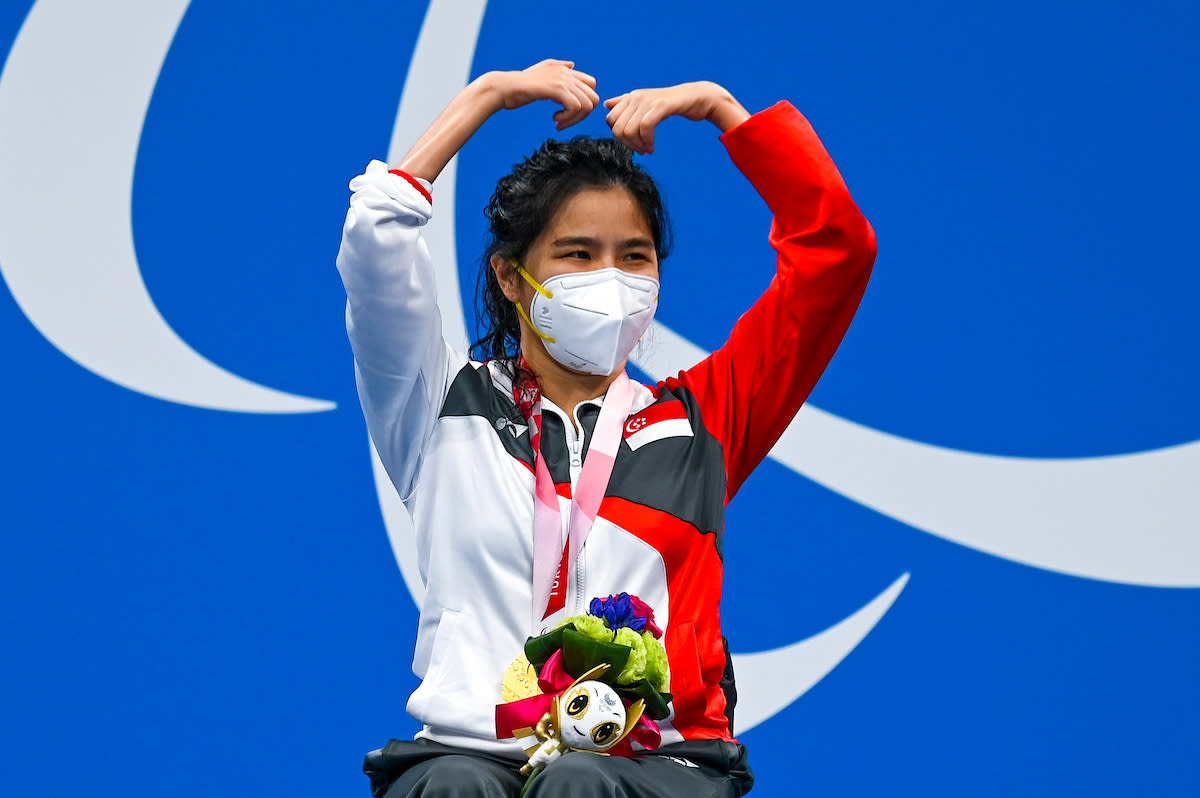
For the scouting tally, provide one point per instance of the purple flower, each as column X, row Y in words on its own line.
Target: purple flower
column 622, row 610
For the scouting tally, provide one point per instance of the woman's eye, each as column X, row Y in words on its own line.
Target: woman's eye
column 582, row 254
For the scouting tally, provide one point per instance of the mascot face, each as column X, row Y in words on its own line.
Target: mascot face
column 591, row 717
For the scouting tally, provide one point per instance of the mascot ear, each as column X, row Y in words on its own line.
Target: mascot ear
column 597, row 671
column 547, row 727
column 632, row 715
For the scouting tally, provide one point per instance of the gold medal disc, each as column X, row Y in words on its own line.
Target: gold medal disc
column 520, row 681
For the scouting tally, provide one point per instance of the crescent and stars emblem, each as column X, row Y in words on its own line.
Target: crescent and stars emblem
column 85, row 295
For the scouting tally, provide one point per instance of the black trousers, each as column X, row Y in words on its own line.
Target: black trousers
column 691, row 769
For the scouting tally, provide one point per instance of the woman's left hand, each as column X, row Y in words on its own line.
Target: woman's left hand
column 634, row 116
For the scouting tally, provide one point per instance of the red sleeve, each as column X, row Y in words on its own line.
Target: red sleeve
column 749, row 390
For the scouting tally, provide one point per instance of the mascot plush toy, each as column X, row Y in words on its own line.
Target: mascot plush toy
column 589, row 716
column 596, row 682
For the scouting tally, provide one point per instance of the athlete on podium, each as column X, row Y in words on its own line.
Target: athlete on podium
column 539, row 476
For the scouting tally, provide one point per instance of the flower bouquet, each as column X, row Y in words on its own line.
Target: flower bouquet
column 596, row 682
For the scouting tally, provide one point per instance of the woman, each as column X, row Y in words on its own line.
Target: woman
column 510, row 466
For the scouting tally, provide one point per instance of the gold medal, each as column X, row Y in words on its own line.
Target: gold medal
column 520, row 681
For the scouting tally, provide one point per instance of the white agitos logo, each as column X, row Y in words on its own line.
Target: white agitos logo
column 1128, row 518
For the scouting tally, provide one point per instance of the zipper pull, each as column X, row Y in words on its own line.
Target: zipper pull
column 576, row 447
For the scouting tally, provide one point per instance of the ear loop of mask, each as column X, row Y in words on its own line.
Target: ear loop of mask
column 541, row 289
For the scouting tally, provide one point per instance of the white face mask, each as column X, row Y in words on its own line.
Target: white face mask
column 590, row 321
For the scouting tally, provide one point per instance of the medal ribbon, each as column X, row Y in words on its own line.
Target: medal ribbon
column 552, row 560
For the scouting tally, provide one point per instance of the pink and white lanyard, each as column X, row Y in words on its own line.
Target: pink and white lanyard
column 552, row 560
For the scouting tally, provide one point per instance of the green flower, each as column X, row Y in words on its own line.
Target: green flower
column 647, row 657
column 657, row 671
column 635, row 667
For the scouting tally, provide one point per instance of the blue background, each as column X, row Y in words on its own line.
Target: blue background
column 202, row 602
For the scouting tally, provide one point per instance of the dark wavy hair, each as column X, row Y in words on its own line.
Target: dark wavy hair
column 524, row 202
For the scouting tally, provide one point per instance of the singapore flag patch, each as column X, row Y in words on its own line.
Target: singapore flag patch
column 663, row 420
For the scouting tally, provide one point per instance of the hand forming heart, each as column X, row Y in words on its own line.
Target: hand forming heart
column 632, row 116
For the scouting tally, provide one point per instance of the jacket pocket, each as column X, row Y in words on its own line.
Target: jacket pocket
column 687, row 685
column 442, row 667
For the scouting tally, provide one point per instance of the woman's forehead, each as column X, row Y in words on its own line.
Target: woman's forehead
column 599, row 213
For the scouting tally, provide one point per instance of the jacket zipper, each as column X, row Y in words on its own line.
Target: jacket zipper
column 576, row 467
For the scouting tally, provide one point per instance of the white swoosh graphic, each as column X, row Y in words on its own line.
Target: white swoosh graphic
column 1132, row 518
column 440, row 68
column 73, row 99
column 768, row 681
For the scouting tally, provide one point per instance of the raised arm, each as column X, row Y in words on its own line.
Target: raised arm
column 551, row 79
column 403, row 366
column 750, row 389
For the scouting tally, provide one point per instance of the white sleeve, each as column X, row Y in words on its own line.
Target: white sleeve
column 402, row 364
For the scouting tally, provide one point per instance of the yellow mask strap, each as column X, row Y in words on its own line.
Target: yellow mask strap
column 541, row 290
column 532, row 326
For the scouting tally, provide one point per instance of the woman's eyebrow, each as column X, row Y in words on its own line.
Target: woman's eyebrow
column 576, row 241
column 586, row 241
column 634, row 243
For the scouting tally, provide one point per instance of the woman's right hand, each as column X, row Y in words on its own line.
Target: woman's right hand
column 551, row 79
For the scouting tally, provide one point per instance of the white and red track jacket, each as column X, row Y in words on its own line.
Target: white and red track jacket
column 458, row 450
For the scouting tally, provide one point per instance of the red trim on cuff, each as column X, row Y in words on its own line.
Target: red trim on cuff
column 414, row 183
